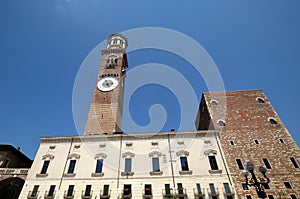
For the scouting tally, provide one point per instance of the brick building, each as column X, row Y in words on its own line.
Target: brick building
column 14, row 166
column 251, row 130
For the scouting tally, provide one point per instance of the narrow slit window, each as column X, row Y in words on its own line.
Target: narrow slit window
column 240, row 164
column 267, row 163
column 294, row 162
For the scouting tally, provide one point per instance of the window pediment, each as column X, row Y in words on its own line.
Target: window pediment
column 128, row 155
column 100, row 155
column 210, row 152
column 155, row 154
column 74, row 156
column 182, row 153
column 48, row 157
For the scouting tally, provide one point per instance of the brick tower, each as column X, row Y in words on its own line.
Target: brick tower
column 250, row 130
column 105, row 114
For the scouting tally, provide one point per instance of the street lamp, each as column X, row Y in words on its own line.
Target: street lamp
column 257, row 182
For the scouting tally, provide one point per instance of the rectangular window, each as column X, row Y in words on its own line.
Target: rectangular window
column 99, row 166
column 127, row 164
column 212, row 188
column 72, row 166
column 105, row 190
column 35, row 190
column 240, row 164
column 199, row 191
column 213, row 163
column 51, row 190
column 294, row 162
column 155, row 164
column 287, row 185
column 293, row 196
column 127, row 189
column 281, row 140
column 167, row 189
column 270, row 196
column 70, row 190
column 256, row 141
column 231, row 142
column 267, row 163
column 184, row 164
column 248, row 197
column 45, row 167
column 245, row 186
column 227, row 188
column 180, row 188
column 88, row 189
column 148, row 189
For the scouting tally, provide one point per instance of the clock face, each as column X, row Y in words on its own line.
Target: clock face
column 107, row 84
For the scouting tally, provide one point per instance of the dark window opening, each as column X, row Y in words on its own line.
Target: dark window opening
column 267, row 163
column 105, row 190
column 240, row 164
column 127, row 189
column 45, row 167
column 270, row 196
column 199, row 191
column 221, row 123
column 88, row 189
column 99, row 166
column 212, row 188
column 35, row 190
column 214, row 103
column 148, row 189
column 167, row 189
column 232, row 142
column 227, row 188
column 259, row 100
column 256, row 141
column 248, row 197
column 70, row 190
column 51, row 190
column 72, row 166
column 272, row 121
column 287, row 185
column 293, row 196
column 281, row 140
column 184, row 164
column 294, row 162
column 245, row 186
column 213, row 163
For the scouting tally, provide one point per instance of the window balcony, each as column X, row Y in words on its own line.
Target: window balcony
column 85, row 195
column 214, row 194
column 228, row 192
column 49, row 195
column 32, row 195
column 41, row 175
column 199, row 193
column 127, row 195
column 214, row 171
column 97, row 174
column 156, row 173
column 147, row 194
column 69, row 195
column 181, row 193
column 189, row 172
column 105, row 194
column 127, row 173
column 168, row 193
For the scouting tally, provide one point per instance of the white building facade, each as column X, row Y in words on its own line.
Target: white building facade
column 163, row 165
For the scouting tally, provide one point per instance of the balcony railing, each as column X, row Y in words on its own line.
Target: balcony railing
column 228, row 192
column 12, row 171
column 86, row 195
column 181, row 193
column 32, row 195
column 69, row 196
column 147, row 194
column 49, row 196
column 104, row 195
column 199, row 193
column 214, row 192
column 168, row 193
column 127, row 195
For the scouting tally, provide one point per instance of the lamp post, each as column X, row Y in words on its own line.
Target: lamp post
column 257, row 182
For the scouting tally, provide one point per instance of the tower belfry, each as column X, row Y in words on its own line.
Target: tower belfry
column 105, row 114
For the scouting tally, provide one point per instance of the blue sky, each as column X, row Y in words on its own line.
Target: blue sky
column 255, row 45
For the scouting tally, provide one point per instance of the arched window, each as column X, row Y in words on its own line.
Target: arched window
column 260, row 100
column 272, row 121
column 221, row 123
column 214, row 103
